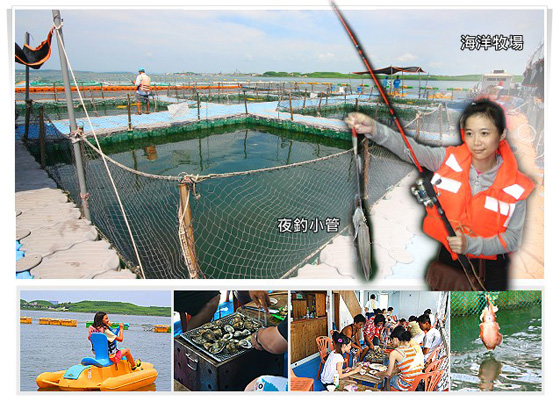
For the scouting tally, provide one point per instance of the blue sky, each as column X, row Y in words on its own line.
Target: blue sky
column 283, row 40
column 142, row 298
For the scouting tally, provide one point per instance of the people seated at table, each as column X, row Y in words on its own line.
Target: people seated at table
column 333, row 365
column 415, row 330
column 432, row 338
column 373, row 329
column 405, row 361
column 352, row 331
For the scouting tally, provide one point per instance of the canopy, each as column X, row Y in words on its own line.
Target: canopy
column 392, row 70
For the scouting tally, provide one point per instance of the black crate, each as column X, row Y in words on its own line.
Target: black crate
column 199, row 372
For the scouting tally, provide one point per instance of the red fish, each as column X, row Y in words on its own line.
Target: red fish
column 489, row 328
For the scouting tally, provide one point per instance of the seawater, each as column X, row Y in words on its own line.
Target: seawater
column 235, row 219
column 519, row 357
column 52, row 348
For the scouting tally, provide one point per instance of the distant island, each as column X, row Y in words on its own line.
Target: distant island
column 51, row 75
column 120, row 308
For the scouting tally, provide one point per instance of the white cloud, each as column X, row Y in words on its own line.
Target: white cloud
column 407, row 57
column 326, row 56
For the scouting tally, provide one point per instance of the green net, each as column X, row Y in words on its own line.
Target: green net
column 236, row 215
column 472, row 303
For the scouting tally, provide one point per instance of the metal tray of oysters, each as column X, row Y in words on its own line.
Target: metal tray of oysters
column 224, row 338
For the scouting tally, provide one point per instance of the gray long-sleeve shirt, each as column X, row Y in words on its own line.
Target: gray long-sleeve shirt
column 432, row 158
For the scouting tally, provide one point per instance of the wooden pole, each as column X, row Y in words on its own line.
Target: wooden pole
column 128, row 108
column 42, row 137
column 356, row 104
column 192, row 265
column 54, row 91
column 291, row 110
column 198, row 105
column 245, row 99
column 102, row 92
column 27, row 99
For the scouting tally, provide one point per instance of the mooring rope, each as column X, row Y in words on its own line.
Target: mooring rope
column 199, row 178
column 63, row 47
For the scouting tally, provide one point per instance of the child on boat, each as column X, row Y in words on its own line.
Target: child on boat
column 101, row 324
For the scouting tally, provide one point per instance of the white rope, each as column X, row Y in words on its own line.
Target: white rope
column 101, row 153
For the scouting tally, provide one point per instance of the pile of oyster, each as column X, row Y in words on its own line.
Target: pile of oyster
column 215, row 337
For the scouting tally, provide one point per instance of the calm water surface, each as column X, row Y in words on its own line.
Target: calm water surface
column 52, row 348
column 515, row 365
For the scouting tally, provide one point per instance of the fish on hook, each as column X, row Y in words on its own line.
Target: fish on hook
column 489, row 328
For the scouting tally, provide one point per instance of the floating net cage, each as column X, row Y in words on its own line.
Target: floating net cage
column 473, row 303
column 234, row 215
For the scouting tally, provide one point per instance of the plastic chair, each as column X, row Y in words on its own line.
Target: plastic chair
column 432, row 355
column 434, row 365
column 101, row 351
column 301, row 383
column 428, row 381
column 324, row 344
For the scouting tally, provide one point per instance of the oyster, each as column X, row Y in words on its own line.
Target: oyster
column 197, row 340
column 217, row 333
column 217, row 347
column 227, row 336
column 208, row 335
column 245, row 344
column 238, row 324
column 232, row 347
column 228, row 328
column 237, row 334
column 207, row 346
column 245, row 333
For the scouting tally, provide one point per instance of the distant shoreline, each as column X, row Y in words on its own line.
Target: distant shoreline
column 271, row 74
column 92, row 307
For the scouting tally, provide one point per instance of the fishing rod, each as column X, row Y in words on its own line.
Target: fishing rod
column 424, row 189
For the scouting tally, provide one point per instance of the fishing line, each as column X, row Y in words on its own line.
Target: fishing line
column 427, row 189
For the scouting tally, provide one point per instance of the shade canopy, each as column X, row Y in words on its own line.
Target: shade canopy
column 392, row 70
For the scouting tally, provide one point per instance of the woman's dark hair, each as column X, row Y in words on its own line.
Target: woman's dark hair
column 98, row 319
column 403, row 320
column 427, row 311
column 372, row 296
column 379, row 318
column 486, row 108
column 401, row 334
column 412, row 318
column 339, row 340
column 359, row 318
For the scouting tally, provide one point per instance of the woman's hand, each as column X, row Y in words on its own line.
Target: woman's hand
column 458, row 244
column 362, row 123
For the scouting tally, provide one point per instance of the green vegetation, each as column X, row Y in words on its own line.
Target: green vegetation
column 121, row 308
column 407, row 77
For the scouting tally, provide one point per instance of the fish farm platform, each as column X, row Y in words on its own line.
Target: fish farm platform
column 52, row 231
column 401, row 249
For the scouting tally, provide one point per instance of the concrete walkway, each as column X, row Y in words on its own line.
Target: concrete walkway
column 52, row 231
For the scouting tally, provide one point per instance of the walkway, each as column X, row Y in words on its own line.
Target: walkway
column 52, row 231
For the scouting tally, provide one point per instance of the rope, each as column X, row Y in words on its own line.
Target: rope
column 199, row 178
column 99, row 146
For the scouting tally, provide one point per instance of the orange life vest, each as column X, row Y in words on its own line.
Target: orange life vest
column 487, row 213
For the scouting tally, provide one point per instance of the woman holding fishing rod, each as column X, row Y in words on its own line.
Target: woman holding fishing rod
column 480, row 189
